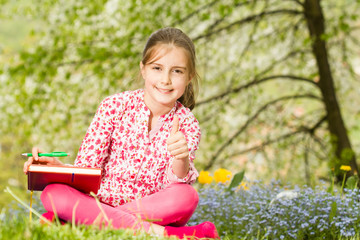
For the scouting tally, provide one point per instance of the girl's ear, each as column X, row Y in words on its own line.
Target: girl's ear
column 142, row 69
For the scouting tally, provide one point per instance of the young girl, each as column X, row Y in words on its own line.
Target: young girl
column 145, row 142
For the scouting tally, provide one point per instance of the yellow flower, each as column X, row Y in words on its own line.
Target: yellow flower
column 345, row 168
column 205, row 178
column 222, row 175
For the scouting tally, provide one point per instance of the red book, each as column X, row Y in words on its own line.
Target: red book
column 83, row 179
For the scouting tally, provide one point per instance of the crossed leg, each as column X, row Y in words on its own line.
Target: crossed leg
column 173, row 206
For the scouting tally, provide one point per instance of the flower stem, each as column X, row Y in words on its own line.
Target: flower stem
column 343, row 183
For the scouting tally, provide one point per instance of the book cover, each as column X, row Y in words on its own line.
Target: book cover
column 84, row 179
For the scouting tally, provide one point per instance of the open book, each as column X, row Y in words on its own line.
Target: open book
column 83, row 179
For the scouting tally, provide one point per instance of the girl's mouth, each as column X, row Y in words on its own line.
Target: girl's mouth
column 164, row 90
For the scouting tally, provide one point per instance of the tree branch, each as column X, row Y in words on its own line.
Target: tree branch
column 255, row 82
column 322, row 149
column 187, row 17
column 299, row 2
column 355, row 40
column 251, row 37
column 271, row 66
column 252, row 118
column 283, row 59
column 266, row 143
column 246, row 20
column 317, row 125
column 219, row 20
column 80, row 62
column 301, row 129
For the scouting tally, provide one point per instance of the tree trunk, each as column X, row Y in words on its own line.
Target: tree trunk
column 340, row 139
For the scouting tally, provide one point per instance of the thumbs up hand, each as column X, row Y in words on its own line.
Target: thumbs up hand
column 176, row 143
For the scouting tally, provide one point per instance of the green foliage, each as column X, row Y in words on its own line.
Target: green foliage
column 352, row 182
column 333, row 211
column 236, row 180
column 346, row 155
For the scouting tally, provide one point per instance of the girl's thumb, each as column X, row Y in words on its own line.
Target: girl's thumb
column 175, row 126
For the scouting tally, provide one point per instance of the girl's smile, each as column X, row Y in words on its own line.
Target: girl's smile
column 164, row 91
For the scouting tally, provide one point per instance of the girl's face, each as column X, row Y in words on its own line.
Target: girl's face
column 166, row 76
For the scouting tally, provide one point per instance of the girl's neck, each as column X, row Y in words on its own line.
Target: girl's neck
column 154, row 117
column 152, row 121
column 157, row 109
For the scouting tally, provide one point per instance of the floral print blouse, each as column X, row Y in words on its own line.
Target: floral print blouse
column 135, row 162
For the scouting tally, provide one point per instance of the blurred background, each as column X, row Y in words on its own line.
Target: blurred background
column 279, row 88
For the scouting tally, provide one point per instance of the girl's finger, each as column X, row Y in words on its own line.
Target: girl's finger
column 182, row 156
column 179, row 151
column 35, row 151
column 175, row 143
column 27, row 164
column 175, row 126
column 178, row 136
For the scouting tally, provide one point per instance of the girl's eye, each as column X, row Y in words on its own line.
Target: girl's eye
column 156, row 68
column 178, row 71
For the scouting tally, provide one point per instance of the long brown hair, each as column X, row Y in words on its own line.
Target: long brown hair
column 176, row 37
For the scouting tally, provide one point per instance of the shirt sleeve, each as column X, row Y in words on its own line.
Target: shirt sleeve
column 94, row 148
column 190, row 127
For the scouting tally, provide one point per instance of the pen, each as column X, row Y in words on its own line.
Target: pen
column 52, row 154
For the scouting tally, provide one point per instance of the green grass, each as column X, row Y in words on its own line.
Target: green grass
column 24, row 229
column 15, row 223
column 259, row 212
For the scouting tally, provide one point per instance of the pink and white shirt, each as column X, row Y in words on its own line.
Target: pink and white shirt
column 135, row 162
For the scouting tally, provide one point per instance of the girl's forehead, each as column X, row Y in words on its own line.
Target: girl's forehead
column 161, row 50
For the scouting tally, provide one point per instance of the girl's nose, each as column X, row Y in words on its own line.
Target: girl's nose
column 166, row 79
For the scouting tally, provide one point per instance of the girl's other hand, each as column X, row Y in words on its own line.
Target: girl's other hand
column 35, row 159
column 176, row 143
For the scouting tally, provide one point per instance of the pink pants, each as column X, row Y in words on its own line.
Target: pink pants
column 172, row 206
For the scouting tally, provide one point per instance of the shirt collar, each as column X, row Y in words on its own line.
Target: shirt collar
column 170, row 115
